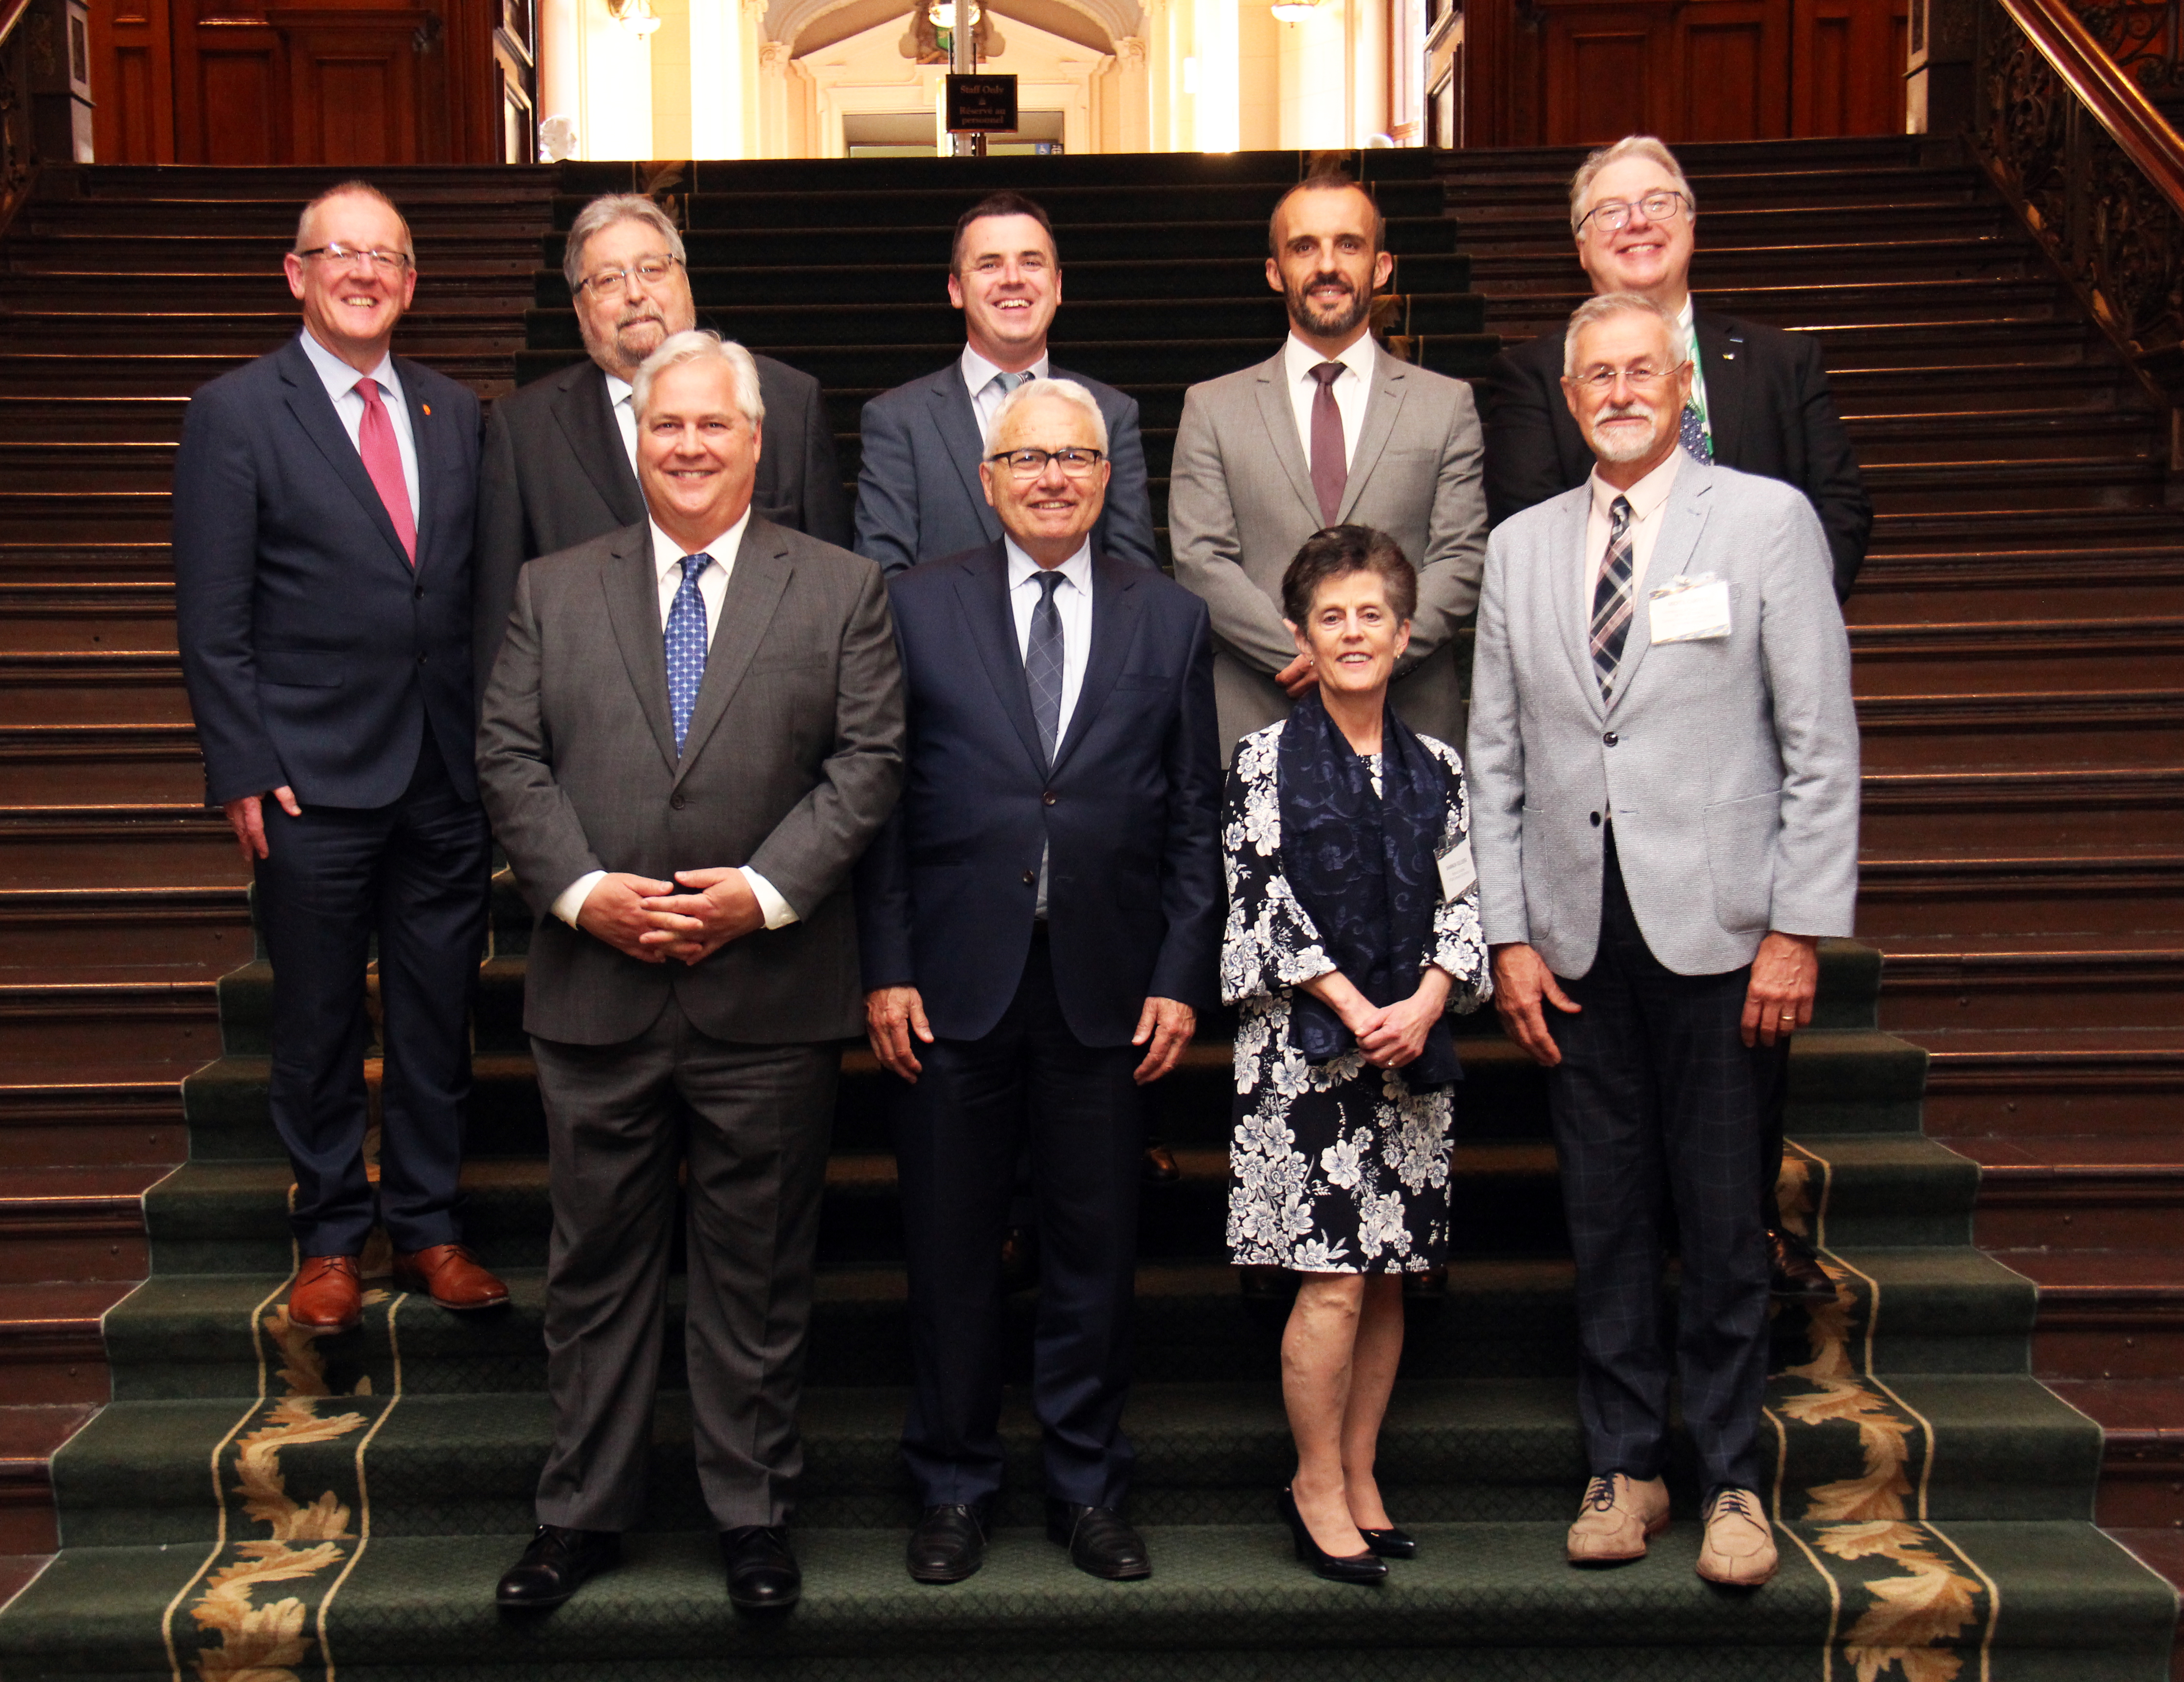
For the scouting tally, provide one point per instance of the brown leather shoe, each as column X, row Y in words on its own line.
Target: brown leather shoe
column 327, row 1295
column 451, row 1276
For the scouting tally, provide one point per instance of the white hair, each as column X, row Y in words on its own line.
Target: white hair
column 1068, row 390
column 604, row 213
column 1610, row 304
column 1630, row 146
column 696, row 345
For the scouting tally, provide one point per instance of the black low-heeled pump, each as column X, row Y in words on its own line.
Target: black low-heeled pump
column 1357, row 1567
column 1390, row 1543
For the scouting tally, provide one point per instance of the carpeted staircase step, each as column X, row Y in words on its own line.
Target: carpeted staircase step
column 1224, row 1602
column 1456, row 1450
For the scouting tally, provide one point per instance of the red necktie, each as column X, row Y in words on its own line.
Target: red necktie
column 382, row 459
column 1330, row 472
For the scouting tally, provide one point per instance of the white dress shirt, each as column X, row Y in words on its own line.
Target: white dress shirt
column 621, row 400
column 340, row 379
column 986, row 396
column 1353, row 388
column 1072, row 601
column 667, row 557
column 1647, row 497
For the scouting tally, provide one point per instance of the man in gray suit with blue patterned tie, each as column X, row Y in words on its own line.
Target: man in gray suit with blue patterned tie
column 1664, row 788
column 693, row 729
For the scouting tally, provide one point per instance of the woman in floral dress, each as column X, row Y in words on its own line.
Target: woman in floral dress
column 1353, row 931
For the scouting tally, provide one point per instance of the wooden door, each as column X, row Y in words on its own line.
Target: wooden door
column 1832, row 91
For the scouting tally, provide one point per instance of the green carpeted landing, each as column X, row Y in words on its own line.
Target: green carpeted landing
column 259, row 1506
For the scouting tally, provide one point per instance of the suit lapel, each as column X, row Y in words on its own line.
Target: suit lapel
column 761, row 574
column 959, row 431
column 631, row 584
column 582, row 411
column 1114, row 628
column 1723, row 360
column 424, row 440
column 1681, row 522
column 982, row 586
column 1567, row 538
column 1382, row 408
column 1280, row 418
column 314, row 413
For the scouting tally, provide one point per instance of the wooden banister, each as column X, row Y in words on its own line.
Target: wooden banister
column 2117, row 102
column 12, row 13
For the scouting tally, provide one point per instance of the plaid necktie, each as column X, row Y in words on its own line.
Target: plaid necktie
column 1611, row 599
column 684, row 641
column 1043, row 663
column 1693, row 436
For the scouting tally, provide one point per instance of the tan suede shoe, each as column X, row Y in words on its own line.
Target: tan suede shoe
column 1739, row 1543
column 1619, row 1516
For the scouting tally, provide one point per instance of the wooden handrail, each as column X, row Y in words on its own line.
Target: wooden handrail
column 2117, row 102
column 12, row 13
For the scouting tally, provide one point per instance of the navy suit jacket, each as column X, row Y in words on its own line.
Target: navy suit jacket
column 1768, row 402
column 1129, row 811
column 918, row 494
column 314, row 654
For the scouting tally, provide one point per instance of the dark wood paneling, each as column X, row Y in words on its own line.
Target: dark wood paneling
column 1731, row 75
column 132, row 70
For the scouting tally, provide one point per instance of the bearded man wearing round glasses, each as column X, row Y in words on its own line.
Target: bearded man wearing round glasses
column 1038, row 924
column 1759, row 400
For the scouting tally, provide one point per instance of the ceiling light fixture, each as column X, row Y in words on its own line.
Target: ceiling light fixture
column 1295, row 11
column 637, row 16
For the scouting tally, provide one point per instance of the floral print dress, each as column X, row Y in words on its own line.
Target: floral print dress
column 1341, row 1168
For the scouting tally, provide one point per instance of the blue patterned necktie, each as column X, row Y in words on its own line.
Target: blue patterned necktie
column 1043, row 663
column 1611, row 599
column 684, row 641
column 1692, row 434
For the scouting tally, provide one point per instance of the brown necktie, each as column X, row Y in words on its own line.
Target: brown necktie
column 1330, row 472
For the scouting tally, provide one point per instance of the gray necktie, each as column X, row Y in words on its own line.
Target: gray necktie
column 1043, row 663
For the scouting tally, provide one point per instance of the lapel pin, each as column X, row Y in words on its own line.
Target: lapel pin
column 427, row 408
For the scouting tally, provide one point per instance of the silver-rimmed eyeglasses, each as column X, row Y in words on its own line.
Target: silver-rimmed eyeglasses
column 613, row 283
column 1641, row 378
column 1029, row 464
column 382, row 262
column 1614, row 214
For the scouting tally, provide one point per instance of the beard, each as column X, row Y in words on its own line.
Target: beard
column 1621, row 446
column 633, row 338
column 1330, row 323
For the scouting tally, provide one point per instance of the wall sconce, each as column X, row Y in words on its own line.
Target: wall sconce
column 1295, row 11
column 637, row 16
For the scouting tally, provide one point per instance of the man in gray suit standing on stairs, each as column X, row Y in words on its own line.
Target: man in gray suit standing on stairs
column 1331, row 430
column 918, row 494
column 1664, row 796
column 693, row 729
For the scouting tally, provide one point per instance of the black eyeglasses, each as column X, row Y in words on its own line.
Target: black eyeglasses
column 1614, row 214
column 1029, row 464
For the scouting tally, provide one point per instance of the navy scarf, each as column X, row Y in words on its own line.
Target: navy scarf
column 1364, row 866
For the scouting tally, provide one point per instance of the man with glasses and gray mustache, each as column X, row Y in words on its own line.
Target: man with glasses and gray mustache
column 559, row 460
column 1759, row 402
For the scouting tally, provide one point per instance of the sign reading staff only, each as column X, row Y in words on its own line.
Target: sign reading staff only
column 982, row 104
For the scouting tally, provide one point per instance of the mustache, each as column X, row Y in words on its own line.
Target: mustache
column 1329, row 279
column 1625, row 411
column 639, row 317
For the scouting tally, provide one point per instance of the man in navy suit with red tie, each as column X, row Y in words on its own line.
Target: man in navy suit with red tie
column 323, row 500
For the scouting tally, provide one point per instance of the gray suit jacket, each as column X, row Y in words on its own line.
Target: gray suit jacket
column 792, row 761
column 1240, row 505
column 553, row 473
column 1730, row 767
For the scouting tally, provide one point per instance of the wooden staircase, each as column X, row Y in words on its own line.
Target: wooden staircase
column 2018, row 644
column 122, row 900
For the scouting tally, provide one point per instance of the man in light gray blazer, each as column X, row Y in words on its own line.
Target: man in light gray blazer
column 1664, row 786
column 693, row 728
column 1331, row 430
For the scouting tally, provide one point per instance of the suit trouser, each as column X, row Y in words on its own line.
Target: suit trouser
column 957, row 1136
column 752, row 1124
column 417, row 875
column 1658, row 1096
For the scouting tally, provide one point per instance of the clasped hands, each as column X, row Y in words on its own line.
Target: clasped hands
column 893, row 1015
column 1389, row 1035
column 688, row 919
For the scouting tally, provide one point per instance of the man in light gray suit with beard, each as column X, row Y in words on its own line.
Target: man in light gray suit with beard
column 1665, row 792
column 693, row 729
column 1332, row 431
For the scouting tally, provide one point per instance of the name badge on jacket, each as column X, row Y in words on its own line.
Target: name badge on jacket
column 1457, row 872
column 1691, row 610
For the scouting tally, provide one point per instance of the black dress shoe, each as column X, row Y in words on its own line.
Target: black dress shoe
column 1159, row 1164
column 1337, row 1567
column 1019, row 1259
column 1391, row 1543
column 1794, row 1270
column 948, row 1544
column 1098, row 1540
column 555, row 1566
column 762, row 1574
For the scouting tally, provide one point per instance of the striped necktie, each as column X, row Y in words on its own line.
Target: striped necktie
column 1043, row 663
column 1611, row 599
